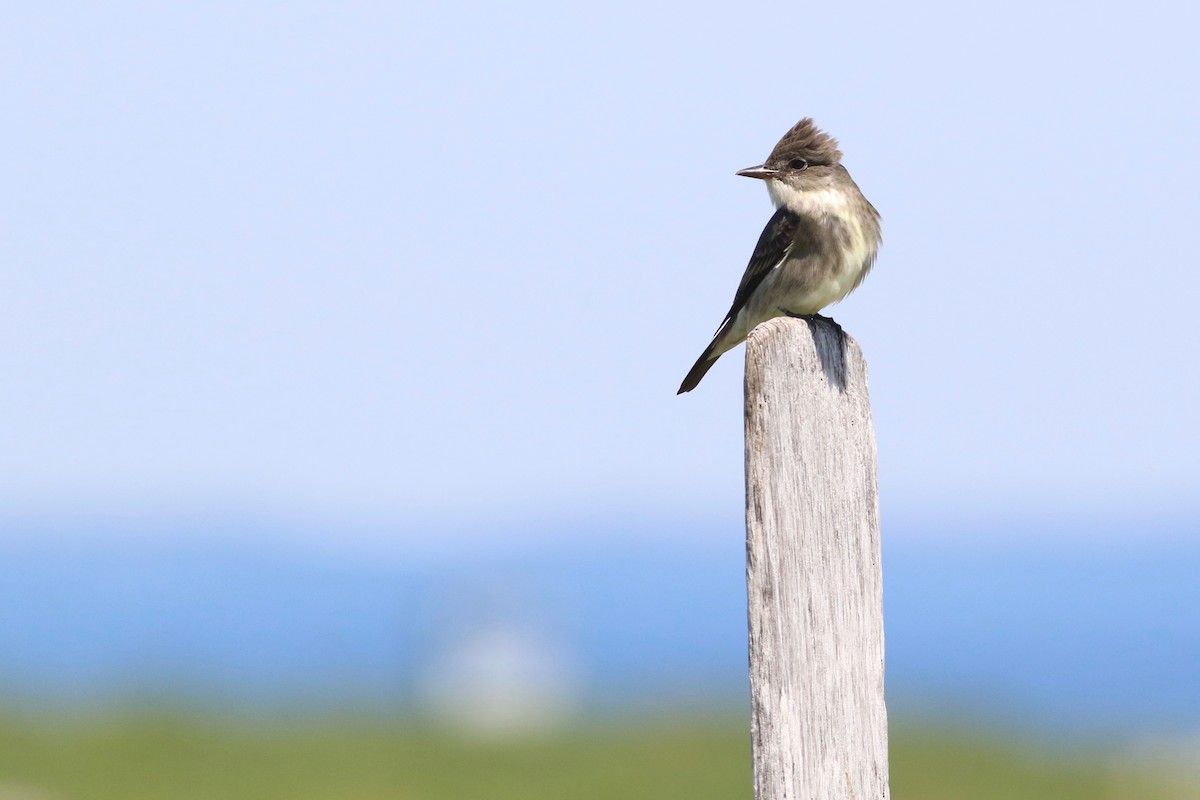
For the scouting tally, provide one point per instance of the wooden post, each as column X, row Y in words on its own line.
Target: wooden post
column 815, row 586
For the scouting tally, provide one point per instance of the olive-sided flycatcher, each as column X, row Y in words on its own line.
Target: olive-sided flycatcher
column 815, row 250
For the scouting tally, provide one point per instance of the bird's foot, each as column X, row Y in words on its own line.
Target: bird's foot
column 813, row 318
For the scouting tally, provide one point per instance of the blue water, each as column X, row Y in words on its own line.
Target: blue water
column 1099, row 636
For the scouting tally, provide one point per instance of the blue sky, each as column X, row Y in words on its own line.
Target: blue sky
column 446, row 263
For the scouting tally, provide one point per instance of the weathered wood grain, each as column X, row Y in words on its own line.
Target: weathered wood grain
column 813, row 574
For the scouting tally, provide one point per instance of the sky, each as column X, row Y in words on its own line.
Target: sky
column 413, row 265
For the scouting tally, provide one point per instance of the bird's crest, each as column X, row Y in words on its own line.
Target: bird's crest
column 805, row 140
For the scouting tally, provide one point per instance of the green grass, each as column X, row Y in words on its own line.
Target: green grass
column 181, row 757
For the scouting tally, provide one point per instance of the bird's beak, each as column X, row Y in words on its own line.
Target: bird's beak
column 760, row 172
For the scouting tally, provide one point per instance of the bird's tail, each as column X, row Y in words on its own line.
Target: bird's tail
column 702, row 366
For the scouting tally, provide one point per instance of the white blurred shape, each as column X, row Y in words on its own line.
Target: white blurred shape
column 500, row 681
column 1158, row 768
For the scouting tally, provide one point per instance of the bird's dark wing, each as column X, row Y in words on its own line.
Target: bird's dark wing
column 786, row 234
column 777, row 237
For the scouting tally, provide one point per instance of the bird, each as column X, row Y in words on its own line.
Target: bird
column 817, row 247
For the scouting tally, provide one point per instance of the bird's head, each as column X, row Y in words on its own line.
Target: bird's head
column 804, row 156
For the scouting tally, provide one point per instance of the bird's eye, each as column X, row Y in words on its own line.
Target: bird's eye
column 798, row 163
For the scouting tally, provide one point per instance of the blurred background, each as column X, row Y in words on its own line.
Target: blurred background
column 340, row 454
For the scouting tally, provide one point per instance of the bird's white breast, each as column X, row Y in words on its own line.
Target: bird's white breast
column 827, row 202
column 857, row 254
